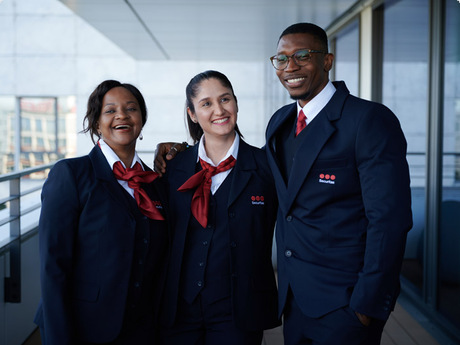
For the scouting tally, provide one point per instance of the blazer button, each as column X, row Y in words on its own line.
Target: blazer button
column 231, row 215
column 199, row 283
column 289, row 218
column 233, row 244
column 288, row 253
column 205, row 243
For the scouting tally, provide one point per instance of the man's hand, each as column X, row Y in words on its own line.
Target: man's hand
column 164, row 152
column 365, row 320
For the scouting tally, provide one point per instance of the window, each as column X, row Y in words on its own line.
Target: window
column 347, row 57
column 7, row 130
column 44, row 126
column 449, row 230
column 405, row 92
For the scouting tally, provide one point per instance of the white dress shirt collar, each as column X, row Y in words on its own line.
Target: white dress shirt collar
column 112, row 158
column 218, row 179
column 312, row 108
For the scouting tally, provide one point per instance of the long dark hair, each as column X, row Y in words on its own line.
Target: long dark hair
column 93, row 112
column 191, row 91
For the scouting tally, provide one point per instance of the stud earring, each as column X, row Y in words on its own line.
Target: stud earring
column 141, row 136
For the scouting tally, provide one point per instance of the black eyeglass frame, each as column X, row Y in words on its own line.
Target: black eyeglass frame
column 275, row 57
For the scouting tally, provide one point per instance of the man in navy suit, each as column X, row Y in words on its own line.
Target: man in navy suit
column 344, row 194
column 344, row 200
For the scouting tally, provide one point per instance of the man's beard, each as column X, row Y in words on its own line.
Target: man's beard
column 301, row 97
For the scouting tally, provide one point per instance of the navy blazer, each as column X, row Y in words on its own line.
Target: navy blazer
column 86, row 235
column 346, row 208
column 251, row 225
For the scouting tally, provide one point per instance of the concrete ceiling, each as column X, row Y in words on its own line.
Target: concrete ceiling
column 202, row 29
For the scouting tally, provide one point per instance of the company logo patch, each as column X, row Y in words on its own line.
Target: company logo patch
column 326, row 178
column 157, row 204
column 257, row 200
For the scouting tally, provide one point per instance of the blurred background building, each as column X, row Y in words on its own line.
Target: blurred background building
column 53, row 53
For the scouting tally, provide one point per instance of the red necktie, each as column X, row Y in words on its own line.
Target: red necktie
column 135, row 176
column 301, row 122
column 202, row 182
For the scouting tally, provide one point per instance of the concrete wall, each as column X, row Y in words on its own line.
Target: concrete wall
column 45, row 50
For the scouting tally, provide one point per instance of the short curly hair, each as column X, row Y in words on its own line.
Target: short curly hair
column 308, row 28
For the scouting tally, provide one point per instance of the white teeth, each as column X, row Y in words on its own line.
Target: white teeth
column 220, row 121
column 295, row 80
column 122, row 127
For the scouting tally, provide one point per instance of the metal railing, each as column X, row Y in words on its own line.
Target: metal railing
column 21, row 185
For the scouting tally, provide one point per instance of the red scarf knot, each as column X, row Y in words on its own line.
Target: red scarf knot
column 202, row 181
column 135, row 176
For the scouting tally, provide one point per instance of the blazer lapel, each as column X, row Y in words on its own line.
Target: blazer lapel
column 245, row 165
column 105, row 175
column 159, row 188
column 318, row 134
column 183, row 172
column 322, row 128
column 278, row 120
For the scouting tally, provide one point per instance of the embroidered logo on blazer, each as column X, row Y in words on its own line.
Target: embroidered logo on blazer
column 326, row 178
column 157, row 204
column 257, row 200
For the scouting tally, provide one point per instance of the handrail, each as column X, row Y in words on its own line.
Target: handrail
column 12, row 284
column 25, row 172
column 14, row 197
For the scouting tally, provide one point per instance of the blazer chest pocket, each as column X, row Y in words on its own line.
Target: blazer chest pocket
column 86, row 292
column 327, row 164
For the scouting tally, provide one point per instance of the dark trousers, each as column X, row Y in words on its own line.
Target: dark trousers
column 341, row 326
column 201, row 323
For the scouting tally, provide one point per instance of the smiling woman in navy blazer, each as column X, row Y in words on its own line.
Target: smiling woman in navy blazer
column 103, row 238
column 221, row 287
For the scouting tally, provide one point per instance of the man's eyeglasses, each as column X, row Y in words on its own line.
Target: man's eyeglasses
column 301, row 58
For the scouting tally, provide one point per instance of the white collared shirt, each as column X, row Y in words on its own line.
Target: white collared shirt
column 317, row 103
column 219, row 178
column 112, row 158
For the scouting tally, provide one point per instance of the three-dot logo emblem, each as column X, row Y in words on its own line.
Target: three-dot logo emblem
column 257, row 200
column 327, row 178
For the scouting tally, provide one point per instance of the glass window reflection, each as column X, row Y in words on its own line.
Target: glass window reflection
column 405, row 92
column 449, row 231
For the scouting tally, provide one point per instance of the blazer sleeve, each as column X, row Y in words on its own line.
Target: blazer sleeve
column 57, row 232
column 385, row 183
